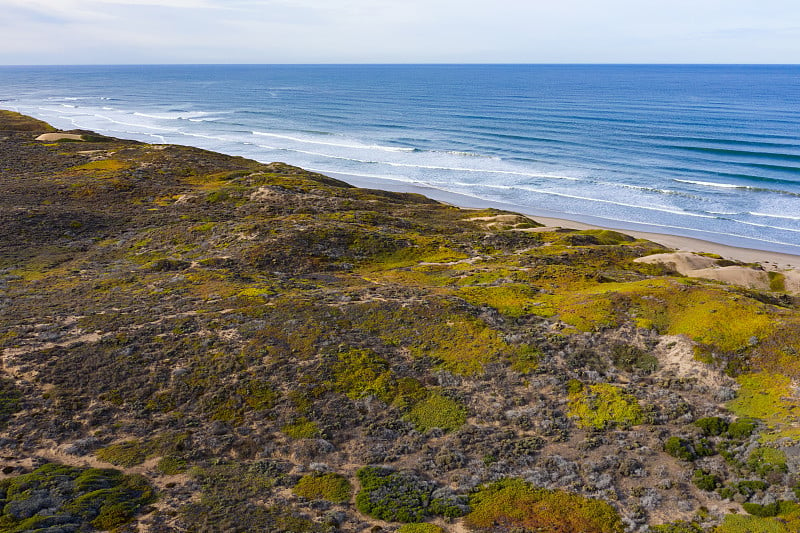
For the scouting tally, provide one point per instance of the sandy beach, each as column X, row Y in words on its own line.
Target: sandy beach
column 767, row 259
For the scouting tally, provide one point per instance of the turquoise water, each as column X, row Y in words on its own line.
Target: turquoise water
column 711, row 152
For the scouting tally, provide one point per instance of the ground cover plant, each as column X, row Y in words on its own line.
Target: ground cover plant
column 253, row 347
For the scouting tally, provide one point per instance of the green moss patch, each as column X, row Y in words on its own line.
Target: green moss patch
column 125, row 454
column 512, row 299
column 753, row 524
column 603, row 405
column 437, row 411
column 330, row 486
column 421, row 528
column 458, row 342
column 301, row 428
column 770, row 398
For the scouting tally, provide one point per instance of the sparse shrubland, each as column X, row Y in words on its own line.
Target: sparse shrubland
column 261, row 342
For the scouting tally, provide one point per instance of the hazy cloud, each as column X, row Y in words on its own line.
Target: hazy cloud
column 281, row 31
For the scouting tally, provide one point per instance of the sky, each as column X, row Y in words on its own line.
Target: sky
column 36, row 32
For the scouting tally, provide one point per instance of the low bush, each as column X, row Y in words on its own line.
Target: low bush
column 705, row 481
column 603, row 405
column 403, row 496
column 513, row 504
column 437, row 411
column 712, row 426
column 331, row 486
column 71, row 498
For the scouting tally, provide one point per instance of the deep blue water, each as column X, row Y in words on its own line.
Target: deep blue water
column 711, row 152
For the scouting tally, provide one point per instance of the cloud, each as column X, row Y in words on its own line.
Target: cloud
column 276, row 31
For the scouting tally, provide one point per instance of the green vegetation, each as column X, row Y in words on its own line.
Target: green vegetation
column 225, row 504
column 238, row 322
column 330, row 486
column 603, row 405
column 765, row 460
column 71, row 498
column 302, row 428
column 712, row 426
column 437, row 411
column 10, row 400
column 753, row 524
column 125, row 454
column 680, row 526
column 688, row 449
column 171, row 466
column 420, row 528
column 513, row 503
column 768, row 397
column 398, row 496
column 705, row 481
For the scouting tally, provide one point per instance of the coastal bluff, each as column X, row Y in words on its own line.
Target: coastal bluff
column 193, row 341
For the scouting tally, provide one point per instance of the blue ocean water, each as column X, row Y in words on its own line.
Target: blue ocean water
column 711, row 152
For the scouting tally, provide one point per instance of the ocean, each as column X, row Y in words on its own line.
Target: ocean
column 710, row 152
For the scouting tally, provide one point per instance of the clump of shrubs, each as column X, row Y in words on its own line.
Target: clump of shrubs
column 399, row 496
column 705, row 481
column 687, row 449
column 73, row 499
column 515, row 505
column 437, row 411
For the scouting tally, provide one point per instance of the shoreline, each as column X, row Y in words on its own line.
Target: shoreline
column 769, row 260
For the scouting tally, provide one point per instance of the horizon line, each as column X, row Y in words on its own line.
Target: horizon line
column 310, row 64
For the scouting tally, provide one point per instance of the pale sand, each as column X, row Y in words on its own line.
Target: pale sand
column 770, row 260
column 50, row 137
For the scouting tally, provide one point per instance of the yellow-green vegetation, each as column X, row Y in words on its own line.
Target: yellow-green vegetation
column 512, row 299
column 437, row 411
column 14, row 121
column 514, row 503
column 125, row 454
column 171, row 466
column 789, row 523
column 603, row 405
column 301, row 428
column 424, row 250
column 170, row 446
column 765, row 460
column 714, row 316
column 422, row 527
column 329, row 486
column 361, row 373
column 238, row 322
column 462, row 343
column 255, row 292
column 104, row 166
column 71, row 499
column 768, row 397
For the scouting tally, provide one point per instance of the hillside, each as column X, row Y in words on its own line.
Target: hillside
column 198, row 342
